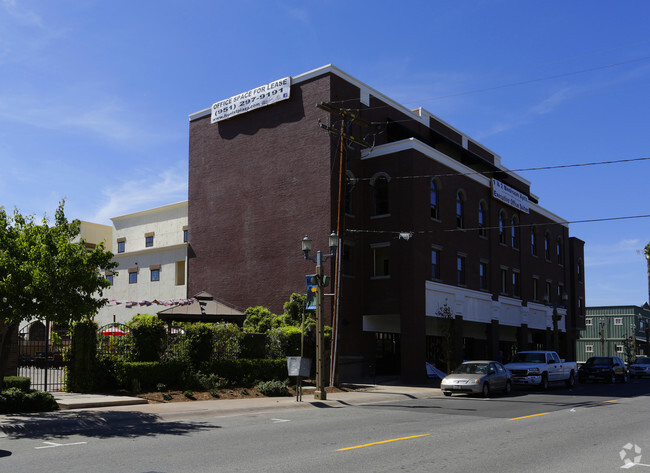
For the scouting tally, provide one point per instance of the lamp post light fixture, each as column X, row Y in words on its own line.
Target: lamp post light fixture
column 320, row 283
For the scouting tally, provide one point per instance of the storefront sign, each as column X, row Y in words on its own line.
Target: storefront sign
column 510, row 196
column 258, row 97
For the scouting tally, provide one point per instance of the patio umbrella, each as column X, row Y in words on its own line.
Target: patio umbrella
column 113, row 331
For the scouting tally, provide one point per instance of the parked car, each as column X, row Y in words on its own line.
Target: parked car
column 640, row 367
column 603, row 368
column 540, row 368
column 477, row 377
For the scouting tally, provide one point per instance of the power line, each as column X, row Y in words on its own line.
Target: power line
column 510, row 171
column 403, row 234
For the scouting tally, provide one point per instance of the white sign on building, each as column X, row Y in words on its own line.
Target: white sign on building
column 258, row 97
column 510, row 196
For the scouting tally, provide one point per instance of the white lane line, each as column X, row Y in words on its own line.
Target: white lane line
column 55, row 445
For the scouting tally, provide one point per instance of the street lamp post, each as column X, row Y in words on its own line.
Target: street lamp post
column 602, row 336
column 633, row 328
column 320, row 282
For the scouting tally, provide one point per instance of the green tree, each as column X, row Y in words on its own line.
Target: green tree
column 46, row 272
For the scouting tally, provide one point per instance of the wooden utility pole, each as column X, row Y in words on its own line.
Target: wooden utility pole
column 346, row 118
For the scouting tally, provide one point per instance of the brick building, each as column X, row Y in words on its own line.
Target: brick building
column 431, row 218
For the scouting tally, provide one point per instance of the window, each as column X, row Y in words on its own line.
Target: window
column 155, row 273
column 547, row 246
column 560, row 253
column 460, row 209
column 514, row 232
column 504, row 281
column 133, row 276
column 618, row 321
column 460, row 266
column 433, row 200
column 547, row 291
column 180, row 273
column 579, row 270
column 121, row 245
column 349, row 185
column 516, row 284
column 588, row 321
column 380, row 194
column 533, row 242
column 483, row 275
column 381, row 259
column 535, row 289
column 148, row 240
column 109, row 277
column 185, row 234
column 502, row 227
column 589, row 348
column 435, row 264
column 346, row 260
column 619, row 348
column 482, row 219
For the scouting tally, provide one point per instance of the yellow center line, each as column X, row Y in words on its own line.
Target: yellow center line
column 533, row 415
column 605, row 402
column 383, row 441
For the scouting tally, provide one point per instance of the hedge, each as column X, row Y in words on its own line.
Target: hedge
column 247, row 372
column 21, row 382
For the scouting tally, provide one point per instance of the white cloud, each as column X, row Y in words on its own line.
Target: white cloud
column 22, row 15
column 147, row 191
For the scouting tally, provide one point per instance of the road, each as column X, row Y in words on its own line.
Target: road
column 562, row 430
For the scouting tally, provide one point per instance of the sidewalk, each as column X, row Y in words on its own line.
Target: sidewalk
column 84, row 412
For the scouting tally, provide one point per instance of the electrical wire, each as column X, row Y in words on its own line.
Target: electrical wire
column 511, row 171
column 505, row 227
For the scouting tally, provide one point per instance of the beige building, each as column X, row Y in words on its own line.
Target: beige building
column 150, row 247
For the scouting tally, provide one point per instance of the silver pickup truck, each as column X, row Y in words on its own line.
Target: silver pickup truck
column 540, row 368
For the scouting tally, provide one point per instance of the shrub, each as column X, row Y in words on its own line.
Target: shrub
column 167, row 397
column 273, row 388
column 149, row 336
column 13, row 400
column 253, row 345
column 21, row 382
column 227, row 340
column 149, row 374
column 160, row 387
column 283, row 341
column 188, row 394
column 199, row 338
column 245, row 372
column 83, row 358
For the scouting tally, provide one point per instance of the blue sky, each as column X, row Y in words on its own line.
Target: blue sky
column 95, row 97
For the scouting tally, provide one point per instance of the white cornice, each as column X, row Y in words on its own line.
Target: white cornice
column 151, row 211
column 432, row 153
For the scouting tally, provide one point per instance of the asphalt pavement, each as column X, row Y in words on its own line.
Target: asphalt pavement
column 79, row 411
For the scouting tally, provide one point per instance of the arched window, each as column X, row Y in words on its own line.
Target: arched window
column 533, row 241
column 380, row 194
column 460, row 209
column 350, row 182
column 502, row 227
column 433, row 199
column 482, row 219
column 547, row 246
column 559, row 250
column 514, row 232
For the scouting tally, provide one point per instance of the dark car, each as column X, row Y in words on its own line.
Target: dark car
column 603, row 368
